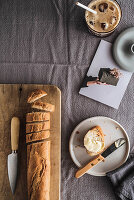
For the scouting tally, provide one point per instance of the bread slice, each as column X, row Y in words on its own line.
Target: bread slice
column 38, row 171
column 43, row 106
column 35, row 95
column 36, row 127
column 94, row 141
column 37, row 136
column 37, row 116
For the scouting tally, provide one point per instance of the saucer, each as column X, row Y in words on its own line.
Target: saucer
column 113, row 131
column 122, row 50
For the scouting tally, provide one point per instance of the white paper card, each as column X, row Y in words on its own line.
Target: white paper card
column 106, row 94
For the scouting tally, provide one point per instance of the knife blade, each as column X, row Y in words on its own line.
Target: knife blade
column 12, row 160
column 117, row 144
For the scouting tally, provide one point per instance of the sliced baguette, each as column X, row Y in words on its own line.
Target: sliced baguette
column 35, row 95
column 43, row 106
column 37, row 136
column 38, row 126
column 96, row 134
column 37, row 116
column 38, row 171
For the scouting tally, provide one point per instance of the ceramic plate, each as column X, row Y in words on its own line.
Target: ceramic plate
column 122, row 50
column 113, row 131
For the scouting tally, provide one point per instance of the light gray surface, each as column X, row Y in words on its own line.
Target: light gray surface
column 47, row 42
column 101, row 92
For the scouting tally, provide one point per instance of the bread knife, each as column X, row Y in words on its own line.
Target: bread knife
column 118, row 143
column 12, row 161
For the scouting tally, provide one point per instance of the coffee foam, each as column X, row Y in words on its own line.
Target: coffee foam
column 107, row 17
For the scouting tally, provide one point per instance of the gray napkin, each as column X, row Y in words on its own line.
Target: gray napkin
column 122, row 179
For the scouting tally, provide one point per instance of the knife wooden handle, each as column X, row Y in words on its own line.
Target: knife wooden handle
column 91, row 164
column 15, row 128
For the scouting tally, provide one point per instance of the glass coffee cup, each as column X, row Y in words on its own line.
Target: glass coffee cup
column 107, row 18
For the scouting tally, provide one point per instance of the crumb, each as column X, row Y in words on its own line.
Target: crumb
column 105, row 149
column 104, row 135
column 87, row 151
column 76, row 146
column 117, row 128
column 79, row 140
column 77, row 132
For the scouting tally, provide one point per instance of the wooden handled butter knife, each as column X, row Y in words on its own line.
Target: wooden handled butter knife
column 13, row 157
column 118, row 143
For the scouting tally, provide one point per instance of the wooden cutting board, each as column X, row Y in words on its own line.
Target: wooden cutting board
column 13, row 99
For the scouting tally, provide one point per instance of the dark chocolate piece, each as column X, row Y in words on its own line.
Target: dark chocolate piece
column 105, row 76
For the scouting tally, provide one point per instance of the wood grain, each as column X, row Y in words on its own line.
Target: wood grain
column 13, row 102
column 91, row 164
column 15, row 130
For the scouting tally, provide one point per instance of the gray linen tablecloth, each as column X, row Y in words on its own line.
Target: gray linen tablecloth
column 47, row 42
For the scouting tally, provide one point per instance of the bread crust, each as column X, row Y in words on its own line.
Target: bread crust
column 101, row 134
column 35, row 95
column 38, row 171
column 37, row 116
column 37, row 136
column 36, row 127
column 43, row 106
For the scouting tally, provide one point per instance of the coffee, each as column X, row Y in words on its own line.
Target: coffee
column 107, row 18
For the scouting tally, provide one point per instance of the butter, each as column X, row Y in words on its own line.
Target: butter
column 93, row 142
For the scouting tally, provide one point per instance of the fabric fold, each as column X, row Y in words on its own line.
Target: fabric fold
column 122, row 179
